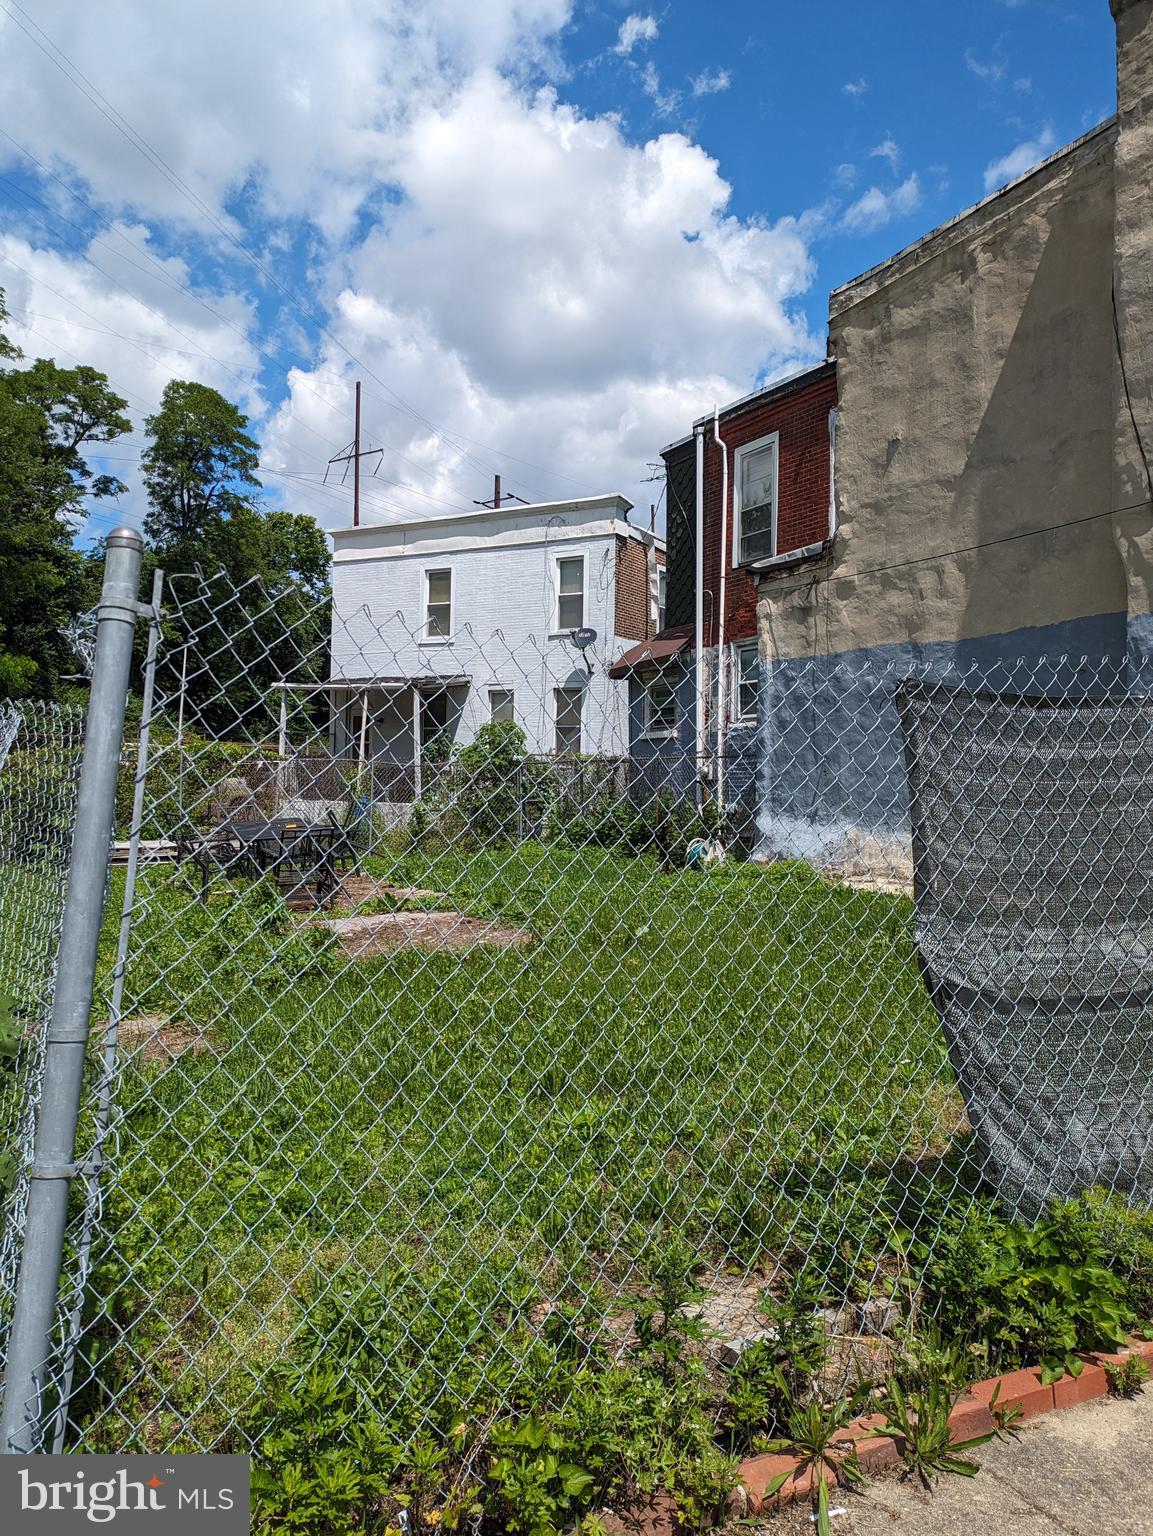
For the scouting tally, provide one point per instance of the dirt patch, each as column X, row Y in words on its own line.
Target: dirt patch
column 154, row 1038
column 353, row 890
column 365, row 937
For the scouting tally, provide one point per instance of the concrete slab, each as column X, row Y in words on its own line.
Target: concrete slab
column 1078, row 1472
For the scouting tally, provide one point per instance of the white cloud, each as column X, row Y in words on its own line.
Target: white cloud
column 888, row 149
column 633, row 30
column 711, row 81
column 992, row 69
column 845, row 175
column 664, row 101
column 513, row 270
column 855, row 89
column 875, row 208
column 1019, row 160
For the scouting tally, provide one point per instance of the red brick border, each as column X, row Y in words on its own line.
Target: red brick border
column 971, row 1416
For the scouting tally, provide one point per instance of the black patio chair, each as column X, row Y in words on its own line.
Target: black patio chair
column 1032, row 823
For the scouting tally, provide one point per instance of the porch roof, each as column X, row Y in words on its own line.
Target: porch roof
column 652, row 652
column 418, row 680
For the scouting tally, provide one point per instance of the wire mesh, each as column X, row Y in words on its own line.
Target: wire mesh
column 454, row 995
column 40, row 751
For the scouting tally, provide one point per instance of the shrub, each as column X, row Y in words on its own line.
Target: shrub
column 1125, row 1236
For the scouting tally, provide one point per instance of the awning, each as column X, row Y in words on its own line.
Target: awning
column 652, row 653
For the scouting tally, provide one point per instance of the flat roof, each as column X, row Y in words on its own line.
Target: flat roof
column 782, row 386
column 612, row 503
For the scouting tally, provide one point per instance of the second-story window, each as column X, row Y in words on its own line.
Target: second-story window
column 570, row 592
column 755, row 510
column 662, row 597
column 438, row 605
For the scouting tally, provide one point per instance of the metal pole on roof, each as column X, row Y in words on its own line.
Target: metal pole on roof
column 356, row 460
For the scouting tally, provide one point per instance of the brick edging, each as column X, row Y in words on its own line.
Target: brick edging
column 971, row 1416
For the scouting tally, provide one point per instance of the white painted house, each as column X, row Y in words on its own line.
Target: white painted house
column 444, row 623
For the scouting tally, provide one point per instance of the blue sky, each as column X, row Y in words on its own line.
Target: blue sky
column 545, row 233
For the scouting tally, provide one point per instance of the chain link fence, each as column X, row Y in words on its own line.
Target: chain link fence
column 458, row 1011
column 40, row 749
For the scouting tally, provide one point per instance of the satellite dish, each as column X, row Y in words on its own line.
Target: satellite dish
column 583, row 638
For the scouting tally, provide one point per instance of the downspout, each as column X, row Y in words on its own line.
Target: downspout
column 699, row 627
column 722, row 667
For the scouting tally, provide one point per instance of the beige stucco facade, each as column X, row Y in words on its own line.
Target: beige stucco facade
column 985, row 444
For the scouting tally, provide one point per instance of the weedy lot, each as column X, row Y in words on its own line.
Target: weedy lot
column 745, row 1059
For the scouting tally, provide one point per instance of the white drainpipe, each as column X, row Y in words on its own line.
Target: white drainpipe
column 722, row 667
column 699, row 634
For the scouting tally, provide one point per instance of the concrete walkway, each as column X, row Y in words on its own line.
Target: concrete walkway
column 1085, row 1471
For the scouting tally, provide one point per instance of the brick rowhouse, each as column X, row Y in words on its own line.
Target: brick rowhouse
column 798, row 410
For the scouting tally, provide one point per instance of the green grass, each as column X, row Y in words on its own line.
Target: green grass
column 747, row 1059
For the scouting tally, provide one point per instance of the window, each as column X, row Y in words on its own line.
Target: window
column 660, row 703
column 748, row 681
column 568, row 704
column 570, row 592
column 755, row 534
column 433, row 717
column 662, row 596
column 438, row 605
column 500, row 704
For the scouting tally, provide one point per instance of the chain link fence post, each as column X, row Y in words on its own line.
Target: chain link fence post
column 34, row 1316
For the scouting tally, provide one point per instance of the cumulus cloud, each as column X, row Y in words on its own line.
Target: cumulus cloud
column 991, row 69
column 855, row 89
column 665, row 102
column 875, row 208
column 1019, row 160
column 633, row 30
column 711, row 81
column 571, row 349
column 508, row 271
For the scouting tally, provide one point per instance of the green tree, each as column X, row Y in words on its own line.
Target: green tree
column 48, row 415
column 248, row 584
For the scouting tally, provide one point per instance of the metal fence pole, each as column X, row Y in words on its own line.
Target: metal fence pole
column 49, row 1178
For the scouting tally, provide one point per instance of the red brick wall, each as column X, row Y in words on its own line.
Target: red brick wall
column 802, row 419
column 635, row 619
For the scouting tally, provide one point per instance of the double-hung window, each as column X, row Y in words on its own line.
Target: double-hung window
column 570, row 593
column 568, row 706
column 438, row 605
column 659, row 703
column 755, row 532
column 662, row 596
column 748, row 681
column 501, row 704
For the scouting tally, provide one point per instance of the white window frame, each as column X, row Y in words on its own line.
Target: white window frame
column 426, row 572
column 738, row 652
column 556, row 592
column 773, row 440
column 509, row 693
column 582, row 694
column 649, row 729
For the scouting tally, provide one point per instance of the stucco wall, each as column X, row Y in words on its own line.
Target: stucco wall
column 975, row 376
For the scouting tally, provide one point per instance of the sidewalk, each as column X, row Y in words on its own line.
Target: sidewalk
column 1080, row 1472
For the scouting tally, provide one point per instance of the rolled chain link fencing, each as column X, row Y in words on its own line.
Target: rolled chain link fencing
column 432, row 1026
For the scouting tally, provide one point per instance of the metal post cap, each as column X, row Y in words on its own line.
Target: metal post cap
column 125, row 538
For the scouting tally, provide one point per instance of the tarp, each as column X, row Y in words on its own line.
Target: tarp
column 1032, row 834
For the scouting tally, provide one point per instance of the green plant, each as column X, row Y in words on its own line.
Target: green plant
column 815, row 1433
column 771, row 1373
column 1125, row 1378
column 537, row 1487
column 919, row 1422
column 9, row 1028
column 1032, row 1295
column 1125, row 1238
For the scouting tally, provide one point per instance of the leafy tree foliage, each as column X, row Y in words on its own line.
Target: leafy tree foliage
column 248, row 584
column 48, row 415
